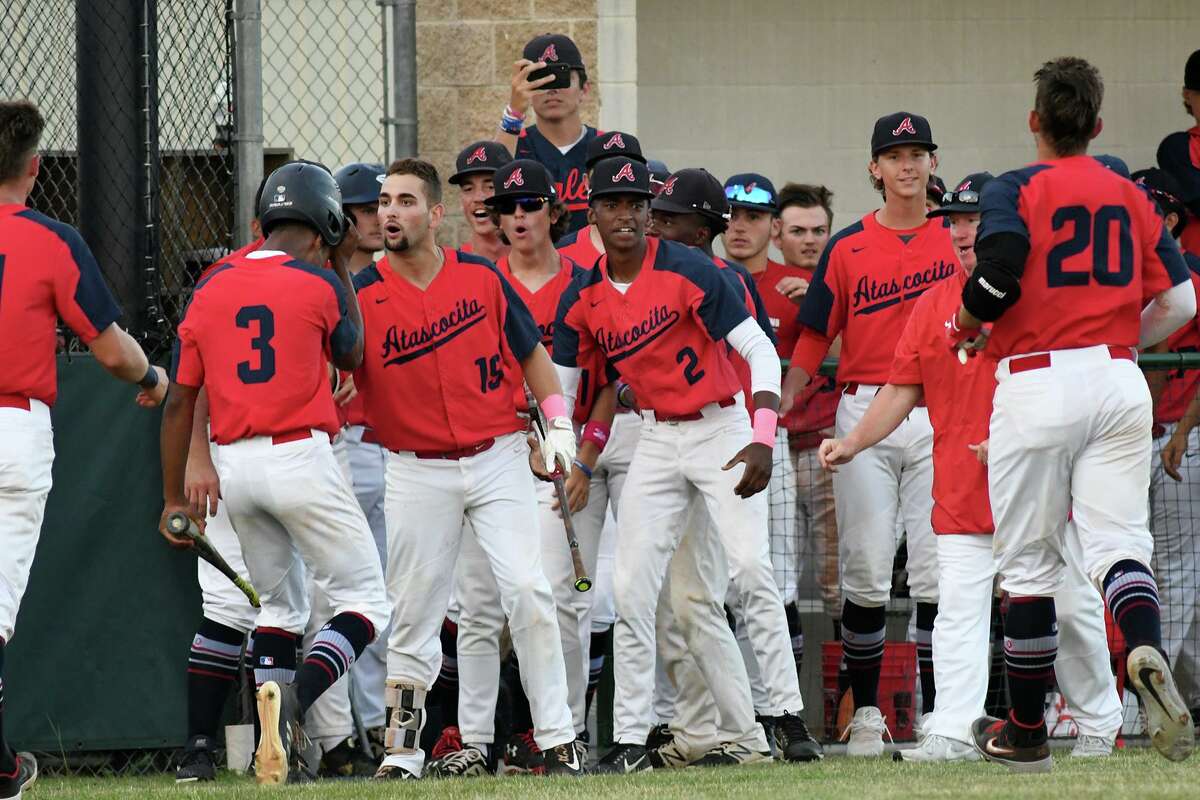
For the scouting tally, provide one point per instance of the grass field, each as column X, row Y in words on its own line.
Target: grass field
column 1134, row 773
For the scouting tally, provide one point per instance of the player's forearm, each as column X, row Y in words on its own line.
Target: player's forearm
column 888, row 409
column 540, row 375
column 174, row 441
column 199, row 439
column 1166, row 313
column 120, row 355
column 601, row 417
column 753, row 345
column 350, row 361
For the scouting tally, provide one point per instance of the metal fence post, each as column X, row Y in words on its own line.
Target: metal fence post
column 248, row 113
column 404, row 76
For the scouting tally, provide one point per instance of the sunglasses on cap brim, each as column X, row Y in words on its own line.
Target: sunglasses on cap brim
column 966, row 196
column 509, row 205
column 737, row 193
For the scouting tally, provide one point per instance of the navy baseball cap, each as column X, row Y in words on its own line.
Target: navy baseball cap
column 613, row 143
column 1163, row 189
column 521, row 178
column 900, row 128
column 693, row 191
column 1191, row 72
column 481, row 156
column 964, row 199
column 553, row 48
column 619, row 175
column 751, row 190
column 360, row 182
column 1115, row 164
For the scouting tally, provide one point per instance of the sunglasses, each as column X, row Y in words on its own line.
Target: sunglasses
column 967, row 196
column 751, row 194
column 509, row 205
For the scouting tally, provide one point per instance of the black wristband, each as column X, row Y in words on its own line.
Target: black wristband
column 150, row 379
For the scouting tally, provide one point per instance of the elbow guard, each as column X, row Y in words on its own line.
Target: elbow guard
column 995, row 285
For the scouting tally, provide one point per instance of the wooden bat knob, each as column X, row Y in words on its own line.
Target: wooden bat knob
column 178, row 523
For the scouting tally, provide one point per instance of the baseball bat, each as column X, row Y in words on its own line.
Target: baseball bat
column 180, row 524
column 582, row 582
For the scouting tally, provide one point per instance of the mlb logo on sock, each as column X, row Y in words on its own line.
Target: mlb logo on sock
column 266, row 661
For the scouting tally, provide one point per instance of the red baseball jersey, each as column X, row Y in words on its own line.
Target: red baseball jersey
column 1181, row 384
column 959, row 398
column 258, row 335
column 743, row 283
column 664, row 334
column 241, row 251
column 865, row 286
column 578, row 246
column 442, row 365
column 46, row 272
column 818, row 411
column 1098, row 251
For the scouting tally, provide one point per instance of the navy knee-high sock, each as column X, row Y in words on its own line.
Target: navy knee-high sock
column 8, row 761
column 1030, row 647
column 863, row 636
column 1132, row 597
column 213, row 665
column 333, row 651
column 926, row 614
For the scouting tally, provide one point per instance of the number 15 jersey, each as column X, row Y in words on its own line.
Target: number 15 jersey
column 1098, row 251
column 258, row 335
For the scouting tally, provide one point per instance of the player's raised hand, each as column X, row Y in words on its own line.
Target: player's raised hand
column 345, row 250
column 150, row 398
column 201, row 485
column 1172, row 454
column 522, row 87
column 980, row 450
column 833, row 452
column 758, row 459
column 792, row 287
column 178, row 542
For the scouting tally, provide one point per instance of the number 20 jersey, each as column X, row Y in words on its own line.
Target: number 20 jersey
column 1098, row 251
column 258, row 335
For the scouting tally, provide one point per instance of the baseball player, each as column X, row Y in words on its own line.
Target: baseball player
column 584, row 246
column 1068, row 252
column 48, row 272
column 658, row 312
column 473, row 169
column 559, row 139
column 448, row 341
column 805, row 225
column 959, row 398
column 1179, row 155
column 257, row 336
column 865, row 286
column 692, row 209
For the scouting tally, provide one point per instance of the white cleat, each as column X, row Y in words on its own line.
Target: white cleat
column 934, row 748
column 1168, row 721
column 270, row 759
column 1088, row 746
column 866, row 733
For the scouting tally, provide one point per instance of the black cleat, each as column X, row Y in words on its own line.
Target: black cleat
column 565, row 759
column 732, row 754
column 522, row 756
column 25, row 776
column 794, row 741
column 660, row 735
column 196, row 764
column 994, row 740
column 1167, row 719
column 346, row 761
column 624, row 759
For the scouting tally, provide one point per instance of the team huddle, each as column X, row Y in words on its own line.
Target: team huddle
column 425, row 458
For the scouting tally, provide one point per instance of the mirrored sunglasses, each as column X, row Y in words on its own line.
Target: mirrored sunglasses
column 756, row 194
column 509, row 205
column 966, row 196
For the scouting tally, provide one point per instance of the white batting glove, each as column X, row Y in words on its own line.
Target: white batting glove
column 558, row 447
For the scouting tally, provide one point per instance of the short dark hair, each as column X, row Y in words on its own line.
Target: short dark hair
column 1069, row 94
column 807, row 195
column 425, row 171
column 21, row 127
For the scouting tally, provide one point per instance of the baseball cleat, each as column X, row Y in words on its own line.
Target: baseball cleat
column 732, row 754
column 565, row 759
column 794, row 741
column 1088, row 746
column 934, row 748
column 465, row 763
column 390, row 772
column 196, row 765
column 624, row 759
column 1168, row 721
column 659, row 735
column 271, row 757
column 993, row 740
column 866, row 733
column 522, row 756
column 669, row 755
column 11, row 786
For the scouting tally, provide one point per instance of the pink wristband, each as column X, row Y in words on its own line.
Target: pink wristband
column 765, row 421
column 595, row 433
column 554, row 406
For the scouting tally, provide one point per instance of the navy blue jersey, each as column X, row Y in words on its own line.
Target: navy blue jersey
column 569, row 171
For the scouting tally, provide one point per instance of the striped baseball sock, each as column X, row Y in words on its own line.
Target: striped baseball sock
column 8, row 761
column 212, row 672
column 274, row 656
column 863, row 637
column 333, row 651
column 1132, row 597
column 1030, row 647
column 926, row 614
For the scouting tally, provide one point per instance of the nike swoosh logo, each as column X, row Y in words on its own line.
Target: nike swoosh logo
column 993, row 749
column 1145, row 676
column 857, row 249
column 574, row 762
column 634, row 766
column 598, row 302
column 380, row 299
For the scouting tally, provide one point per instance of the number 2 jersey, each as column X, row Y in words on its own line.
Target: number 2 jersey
column 663, row 335
column 258, row 335
column 1098, row 251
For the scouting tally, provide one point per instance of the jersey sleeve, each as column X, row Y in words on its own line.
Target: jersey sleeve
column 906, row 364
column 713, row 299
column 1000, row 205
column 519, row 328
column 755, row 304
column 823, row 312
column 187, row 368
column 343, row 335
column 81, row 296
column 569, row 327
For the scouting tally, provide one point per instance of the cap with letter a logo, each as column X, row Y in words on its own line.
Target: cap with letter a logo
column 965, row 198
column 553, row 48
column 521, row 178
column 693, row 191
column 613, row 143
column 620, row 175
column 901, row 128
column 482, row 156
column 514, row 179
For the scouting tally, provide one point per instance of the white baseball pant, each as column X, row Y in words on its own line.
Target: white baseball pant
column 222, row 601
column 962, row 641
column 885, row 487
column 816, row 525
column 1057, row 449
column 676, row 464
column 1175, row 561
column 26, row 460
column 426, row 502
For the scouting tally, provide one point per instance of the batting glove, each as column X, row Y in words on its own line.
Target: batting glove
column 558, row 447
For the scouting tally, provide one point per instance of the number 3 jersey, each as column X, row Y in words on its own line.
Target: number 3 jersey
column 442, row 365
column 1098, row 251
column 258, row 335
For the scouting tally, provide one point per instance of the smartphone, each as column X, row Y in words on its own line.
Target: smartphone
column 561, row 73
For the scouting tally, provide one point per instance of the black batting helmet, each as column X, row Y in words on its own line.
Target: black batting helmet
column 303, row 191
column 360, row 183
